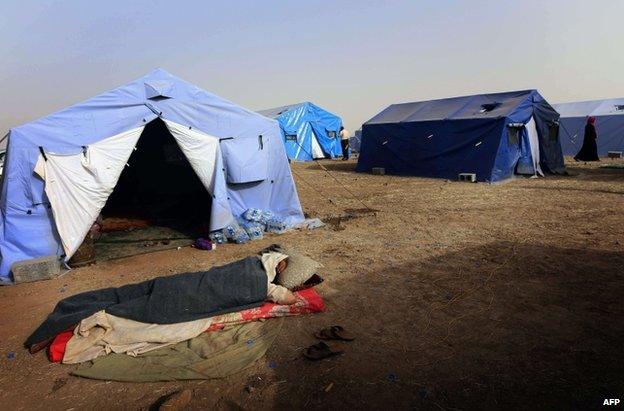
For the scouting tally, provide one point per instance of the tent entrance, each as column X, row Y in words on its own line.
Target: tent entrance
column 529, row 161
column 317, row 151
column 163, row 186
column 158, row 202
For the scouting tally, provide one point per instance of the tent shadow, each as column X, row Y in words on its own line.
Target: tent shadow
column 504, row 325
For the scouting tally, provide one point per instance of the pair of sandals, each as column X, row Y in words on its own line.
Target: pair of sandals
column 323, row 350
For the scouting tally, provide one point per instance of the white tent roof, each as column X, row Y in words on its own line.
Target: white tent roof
column 608, row 107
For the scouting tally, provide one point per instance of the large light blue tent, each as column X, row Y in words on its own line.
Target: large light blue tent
column 309, row 131
column 61, row 168
column 609, row 124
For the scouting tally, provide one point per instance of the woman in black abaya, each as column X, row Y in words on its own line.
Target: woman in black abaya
column 589, row 151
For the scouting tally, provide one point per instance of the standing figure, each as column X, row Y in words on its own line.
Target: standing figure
column 589, row 151
column 344, row 141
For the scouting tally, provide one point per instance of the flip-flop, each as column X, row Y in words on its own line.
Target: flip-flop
column 335, row 332
column 320, row 351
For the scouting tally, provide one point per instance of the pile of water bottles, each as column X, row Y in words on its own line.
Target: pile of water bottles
column 251, row 225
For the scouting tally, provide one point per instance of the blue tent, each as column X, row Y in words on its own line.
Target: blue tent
column 355, row 141
column 309, row 131
column 609, row 124
column 61, row 169
column 492, row 135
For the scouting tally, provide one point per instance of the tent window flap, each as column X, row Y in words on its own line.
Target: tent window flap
column 245, row 163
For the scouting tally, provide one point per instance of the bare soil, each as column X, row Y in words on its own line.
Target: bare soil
column 462, row 296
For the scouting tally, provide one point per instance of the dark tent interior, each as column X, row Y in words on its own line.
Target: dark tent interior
column 158, row 192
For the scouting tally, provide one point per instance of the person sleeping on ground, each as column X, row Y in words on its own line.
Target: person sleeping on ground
column 242, row 284
column 274, row 264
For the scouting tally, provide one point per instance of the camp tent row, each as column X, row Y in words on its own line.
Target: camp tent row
column 494, row 136
column 61, row 169
column 309, row 131
column 609, row 124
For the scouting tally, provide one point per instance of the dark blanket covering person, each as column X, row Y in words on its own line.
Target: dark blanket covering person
column 589, row 150
column 165, row 300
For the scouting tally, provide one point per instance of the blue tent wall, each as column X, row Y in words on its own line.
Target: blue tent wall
column 609, row 125
column 407, row 149
column 306, row 120
column 442, row 138
column 355, row 141
column 26, row 224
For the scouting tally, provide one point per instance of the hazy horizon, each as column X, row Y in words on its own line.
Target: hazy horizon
column 351, row 57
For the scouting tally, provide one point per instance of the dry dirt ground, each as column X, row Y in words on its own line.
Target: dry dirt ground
column 462, row 296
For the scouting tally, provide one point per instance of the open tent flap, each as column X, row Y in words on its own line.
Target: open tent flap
column 78, row 185
column 308, row 147
column 204, row 155
column 317, row 151
column 529, row 161
column 534, row 145
column 329, row 144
